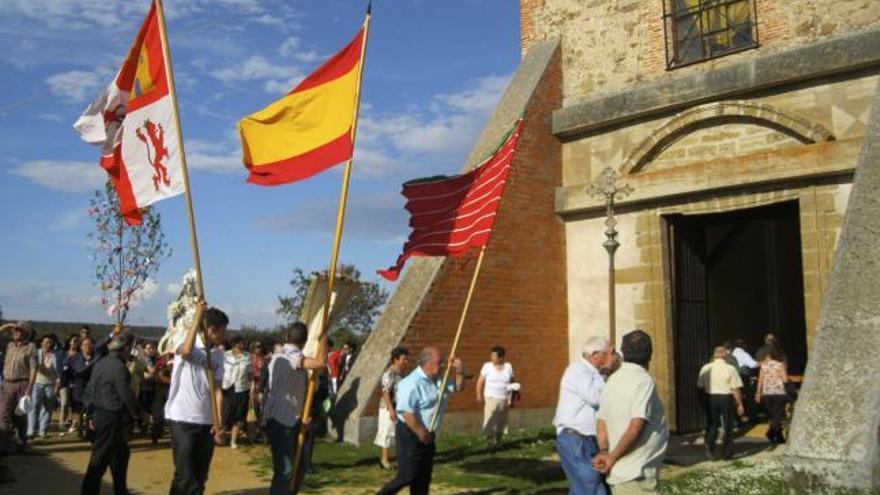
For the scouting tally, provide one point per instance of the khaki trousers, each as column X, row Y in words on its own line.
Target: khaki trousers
column 495, row 414
column 636, row 487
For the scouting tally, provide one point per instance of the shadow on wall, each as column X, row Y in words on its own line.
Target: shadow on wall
column 342, row 409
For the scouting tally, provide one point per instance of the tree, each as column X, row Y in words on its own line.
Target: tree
column 356, row 320
column 125, row 257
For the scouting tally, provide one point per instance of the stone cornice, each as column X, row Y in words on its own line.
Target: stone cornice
column 826, row 159
column 838, row 55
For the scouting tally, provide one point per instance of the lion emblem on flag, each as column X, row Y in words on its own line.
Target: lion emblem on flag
column 153, row 136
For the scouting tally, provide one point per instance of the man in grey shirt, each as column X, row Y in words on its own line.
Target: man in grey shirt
column 575, row 419
column 632, row 431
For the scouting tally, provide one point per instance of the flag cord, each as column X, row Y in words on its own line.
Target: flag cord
column 194, row 242
column 331, row 274
column 464, row 312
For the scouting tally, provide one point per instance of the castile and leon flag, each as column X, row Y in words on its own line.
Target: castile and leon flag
column 451, row 215
column 134, row 123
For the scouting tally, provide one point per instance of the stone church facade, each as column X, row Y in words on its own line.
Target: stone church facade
column 738, row 124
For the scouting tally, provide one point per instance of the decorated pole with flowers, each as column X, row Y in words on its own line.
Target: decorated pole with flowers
column 125, row 258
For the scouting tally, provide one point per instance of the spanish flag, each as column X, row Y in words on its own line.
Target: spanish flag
column 310, row 129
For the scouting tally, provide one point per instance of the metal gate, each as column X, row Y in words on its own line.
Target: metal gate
column 690, row 319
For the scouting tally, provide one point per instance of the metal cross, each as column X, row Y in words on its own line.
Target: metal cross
column 606, row 186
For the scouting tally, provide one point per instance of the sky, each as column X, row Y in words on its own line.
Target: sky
column 434, row 73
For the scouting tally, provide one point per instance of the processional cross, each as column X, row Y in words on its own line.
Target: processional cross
column 607, row 187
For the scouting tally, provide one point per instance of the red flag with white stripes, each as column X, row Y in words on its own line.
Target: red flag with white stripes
column 450, row 215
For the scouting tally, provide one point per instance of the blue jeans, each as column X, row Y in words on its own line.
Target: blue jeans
column 282, row 440
column 576, row 454
column 40, row 412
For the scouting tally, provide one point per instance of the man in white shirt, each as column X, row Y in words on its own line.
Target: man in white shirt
column 748, row 368
column 722, row 383
column 285, row 400
column 575, row 419
column 237, row 384
column 495, row 376
column 632, row 431
column 188, row 408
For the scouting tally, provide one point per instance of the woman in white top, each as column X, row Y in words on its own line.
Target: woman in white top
column 387, row 405
column 45, row 388
column 492, row 390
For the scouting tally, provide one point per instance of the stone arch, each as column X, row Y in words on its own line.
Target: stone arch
column 723, row 112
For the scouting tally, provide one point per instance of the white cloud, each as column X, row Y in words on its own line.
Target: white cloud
column 53, row 296
column 51, row 117
column 75, row 86
column 441, row 131
column 75, row 14
column 480, row 99
column 289, row 46
column 214, row 156
column 374, row 217
column 144, row 293
column 67, row 176
column 280, row 78
column 255, row 67
column 308, row 57
column 69, row 220
column 173, row 289
column 229, row 163
column 118, row 14
column 281, row 87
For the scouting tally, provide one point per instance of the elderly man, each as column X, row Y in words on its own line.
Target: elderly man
column 19, row 374
column 416, row 406
column 113, row 409
column 723, row 385
column 632, row 429
column 575, row 419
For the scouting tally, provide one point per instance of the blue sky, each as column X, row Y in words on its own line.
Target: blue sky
column 434, row 72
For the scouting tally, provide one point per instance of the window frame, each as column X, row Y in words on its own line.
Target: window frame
column 671, row 17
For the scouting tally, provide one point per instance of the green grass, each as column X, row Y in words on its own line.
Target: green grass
column 464, row 465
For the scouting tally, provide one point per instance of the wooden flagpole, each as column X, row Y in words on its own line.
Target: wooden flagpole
column 334, row 259
column 194, row 242
column 464, row 312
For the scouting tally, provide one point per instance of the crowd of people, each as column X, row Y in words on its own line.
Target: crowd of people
column 611, row 427
column 107, row 391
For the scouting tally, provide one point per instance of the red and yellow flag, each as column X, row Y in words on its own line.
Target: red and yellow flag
column 310, row 129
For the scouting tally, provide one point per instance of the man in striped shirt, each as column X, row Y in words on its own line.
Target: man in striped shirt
column 285, row 400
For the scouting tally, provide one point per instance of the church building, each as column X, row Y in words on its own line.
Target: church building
column 737, row 124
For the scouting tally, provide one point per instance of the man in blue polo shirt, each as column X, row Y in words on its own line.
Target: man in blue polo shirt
column 416, row 406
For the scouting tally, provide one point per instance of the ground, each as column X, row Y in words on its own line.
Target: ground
column 524, row 464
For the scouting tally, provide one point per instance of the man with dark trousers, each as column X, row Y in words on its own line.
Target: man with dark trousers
column 416, row 405
column 112, row 406
column 188, row 408
column 723, row 386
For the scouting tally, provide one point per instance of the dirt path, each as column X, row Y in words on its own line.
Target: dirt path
column 57, row 466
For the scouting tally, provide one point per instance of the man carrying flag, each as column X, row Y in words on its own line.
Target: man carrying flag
column 134, row 123
column 306, row 132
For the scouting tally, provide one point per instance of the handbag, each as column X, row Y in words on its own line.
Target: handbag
column 791, row 390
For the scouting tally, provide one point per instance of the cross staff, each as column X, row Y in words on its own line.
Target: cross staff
column 606, row 186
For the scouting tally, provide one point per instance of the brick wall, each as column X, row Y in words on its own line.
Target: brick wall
column 520, row 298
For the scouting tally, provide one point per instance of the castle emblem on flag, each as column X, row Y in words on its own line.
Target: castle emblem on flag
column 155, row 137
